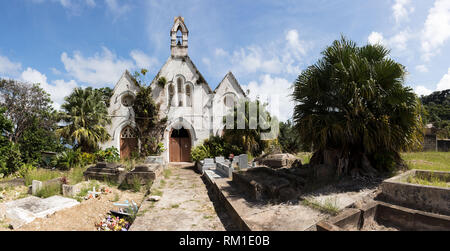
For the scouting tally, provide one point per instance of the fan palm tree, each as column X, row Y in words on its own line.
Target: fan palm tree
column 86, row 116
column 247, row 128
column 352, row 107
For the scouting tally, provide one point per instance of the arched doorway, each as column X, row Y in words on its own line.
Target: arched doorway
column 180, row 146
column 128, row 142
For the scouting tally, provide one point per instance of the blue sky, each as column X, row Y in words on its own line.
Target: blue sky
column 63, row 44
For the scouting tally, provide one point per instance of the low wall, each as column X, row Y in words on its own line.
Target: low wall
column 428, row 198
column 402, row 218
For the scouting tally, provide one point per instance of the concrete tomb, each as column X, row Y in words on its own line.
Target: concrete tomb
column 25, row 210
column 103, row 170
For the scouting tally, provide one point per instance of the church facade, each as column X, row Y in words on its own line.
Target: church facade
column 194, row 110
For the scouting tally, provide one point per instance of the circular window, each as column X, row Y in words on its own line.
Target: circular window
column 127, row 100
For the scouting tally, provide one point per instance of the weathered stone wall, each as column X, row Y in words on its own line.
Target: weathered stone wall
column 430, row 143
column 428, row 198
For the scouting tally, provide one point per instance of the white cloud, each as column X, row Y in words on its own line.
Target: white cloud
column 142, row 60
column 376, row 38
column 7, row 67
column 444, row 84
column 116, row 8
column 402, row 9
column 437, row 28
column 57, row 90
column 422, row 90
column 422, row 68
column 276, row 57
column 398, row 41
column 105, row 67
column 276, row 91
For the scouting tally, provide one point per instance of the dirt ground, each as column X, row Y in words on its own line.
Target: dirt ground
column 185, row 205
column 82, row 217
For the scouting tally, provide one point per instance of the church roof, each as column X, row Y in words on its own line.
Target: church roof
column 230, row 75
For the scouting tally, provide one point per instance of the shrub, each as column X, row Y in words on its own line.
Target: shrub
column 213, row 147
column 68, row 159
column 110, row 154
column 87, row 158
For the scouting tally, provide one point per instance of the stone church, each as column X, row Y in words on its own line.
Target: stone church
column 194, row 110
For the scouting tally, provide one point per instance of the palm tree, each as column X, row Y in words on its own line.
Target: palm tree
column 86, row 116
column 250, row 137
column 353, row 109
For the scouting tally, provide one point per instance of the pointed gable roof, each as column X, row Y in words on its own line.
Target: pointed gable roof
column 127, row 76
column 233, row 79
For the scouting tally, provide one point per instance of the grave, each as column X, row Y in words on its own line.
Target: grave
column 243, row 161
column 145, row 173
column 263, row 183
column 386, row 217
column 206, row 164
column 278, row 160
column 105, row 171
column 224, row 170
column 155, row 160
column 25, row 210
column 398, row 191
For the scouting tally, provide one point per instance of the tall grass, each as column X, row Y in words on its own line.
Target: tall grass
column 41, row 175
column 439, row 161
column 49, row 190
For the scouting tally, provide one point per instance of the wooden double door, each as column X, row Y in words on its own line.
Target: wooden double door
column 180, row 146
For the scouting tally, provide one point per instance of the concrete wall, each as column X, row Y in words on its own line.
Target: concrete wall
column 428, row 198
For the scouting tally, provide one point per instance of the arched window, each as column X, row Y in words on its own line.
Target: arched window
column 128, row 133
column 180, row 91
column 171, row 93
column 229, row 101
column 179, row 36
column 188, row 96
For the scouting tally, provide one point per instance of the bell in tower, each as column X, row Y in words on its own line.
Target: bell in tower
column 179, row 38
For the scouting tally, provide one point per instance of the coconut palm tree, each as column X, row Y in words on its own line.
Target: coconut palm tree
column 85, row 115
column 352, row 107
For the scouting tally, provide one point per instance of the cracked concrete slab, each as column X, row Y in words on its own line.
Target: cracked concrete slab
column 25, row 210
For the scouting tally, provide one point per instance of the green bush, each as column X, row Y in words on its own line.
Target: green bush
column 213, row 147
column 87, row 159
column 110, row 154
column 68, row 159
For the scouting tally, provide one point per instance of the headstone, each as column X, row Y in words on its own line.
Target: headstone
column 224, row 170
column 36, row 186
column 209, row 161
column 220, row 159
column 243, row 161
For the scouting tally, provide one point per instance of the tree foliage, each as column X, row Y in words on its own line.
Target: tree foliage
column 353, row 109
column 289, row 139
column 26, row 104
column 437, row 106
column 85, row 115
column 254, row 127
column 150, row 127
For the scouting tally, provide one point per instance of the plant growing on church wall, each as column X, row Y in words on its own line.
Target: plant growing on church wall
column 150, row 128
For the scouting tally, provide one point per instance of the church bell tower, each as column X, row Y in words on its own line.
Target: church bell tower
column 179, row 38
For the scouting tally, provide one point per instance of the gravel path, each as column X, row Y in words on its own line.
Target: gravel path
column 185, row 204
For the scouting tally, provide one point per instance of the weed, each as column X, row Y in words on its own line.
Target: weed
column 328, row 206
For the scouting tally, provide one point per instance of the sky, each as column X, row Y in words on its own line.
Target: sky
column 63, row 44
